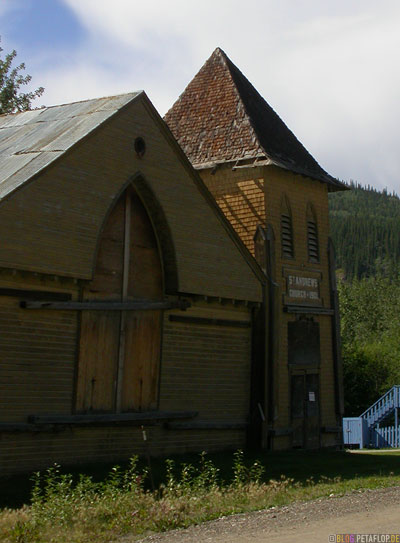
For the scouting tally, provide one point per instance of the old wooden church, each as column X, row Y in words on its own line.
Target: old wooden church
column 275, row 195
column 129, row 291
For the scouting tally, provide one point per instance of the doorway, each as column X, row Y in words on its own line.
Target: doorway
column 305, row 409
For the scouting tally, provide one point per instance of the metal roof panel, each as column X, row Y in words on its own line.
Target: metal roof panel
column 50, row 131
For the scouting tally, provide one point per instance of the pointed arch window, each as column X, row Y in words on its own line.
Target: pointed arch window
column 286, row 229
column 312, row 235
column 119, row 351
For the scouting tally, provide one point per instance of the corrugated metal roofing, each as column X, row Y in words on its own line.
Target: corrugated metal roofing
column 31, row 140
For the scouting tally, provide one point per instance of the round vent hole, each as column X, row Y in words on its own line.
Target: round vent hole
column 140, row 147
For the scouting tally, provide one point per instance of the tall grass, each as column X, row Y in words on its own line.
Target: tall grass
column 77, row 509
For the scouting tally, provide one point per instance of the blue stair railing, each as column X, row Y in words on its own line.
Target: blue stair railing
column 382, row 407
column 365, row 430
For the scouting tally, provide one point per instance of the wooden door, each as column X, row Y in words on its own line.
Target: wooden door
column 143, row 328
column 120, row 350
column 305, row 410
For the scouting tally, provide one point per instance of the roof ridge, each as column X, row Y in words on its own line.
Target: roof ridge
column 229, row 64
column 221, row 116
column 41, row 108
column 235, row 71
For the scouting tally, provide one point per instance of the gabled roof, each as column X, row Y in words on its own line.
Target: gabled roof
column 31, row 140
column 221, row 117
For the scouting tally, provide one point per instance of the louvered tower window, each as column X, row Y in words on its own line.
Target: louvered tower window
column 286, row 230
column 312, row 235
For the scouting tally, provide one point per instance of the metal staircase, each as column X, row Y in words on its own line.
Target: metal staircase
column 365, row 430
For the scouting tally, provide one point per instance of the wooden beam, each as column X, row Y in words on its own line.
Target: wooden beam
column 144, row 416
column 36, row 294
column 106, row 306
column 336, row 340
column 308, row 309
column 207, row 425
column 17, row 427
column 125, row 281
column 331, row 429
column 209, row 321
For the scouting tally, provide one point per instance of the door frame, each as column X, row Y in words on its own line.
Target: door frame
column 304, row 372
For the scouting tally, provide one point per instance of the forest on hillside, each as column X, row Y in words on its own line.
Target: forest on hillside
column 365, row 228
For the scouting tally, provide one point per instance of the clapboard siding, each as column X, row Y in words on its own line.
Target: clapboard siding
column 242, row 200
column 27, row 452
column 253, row 196
column 52, row 224
column 37, row 361
column 207, row 366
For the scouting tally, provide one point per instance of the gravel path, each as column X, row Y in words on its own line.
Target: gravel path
column 370, row 511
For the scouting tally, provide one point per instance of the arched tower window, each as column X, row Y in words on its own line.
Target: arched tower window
column 286, row 229
column 312, row 235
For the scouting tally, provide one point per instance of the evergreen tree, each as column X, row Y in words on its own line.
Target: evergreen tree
column 365, row 228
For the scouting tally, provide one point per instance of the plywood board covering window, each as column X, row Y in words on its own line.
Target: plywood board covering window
column 120, row 350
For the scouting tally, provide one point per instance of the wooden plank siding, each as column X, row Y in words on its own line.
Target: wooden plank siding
column 240, row 196
column 52, row 224
column 120, row 351
column 37, row 361
column 104, row 224
column 25, row 452
column 253, row 196
column 301, row 192
column 204, row 368
column 207, row 366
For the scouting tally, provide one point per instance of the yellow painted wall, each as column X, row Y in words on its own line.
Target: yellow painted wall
column 253, row 196
column 204, row 368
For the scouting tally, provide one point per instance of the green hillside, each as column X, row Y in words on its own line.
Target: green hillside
column 365, row 228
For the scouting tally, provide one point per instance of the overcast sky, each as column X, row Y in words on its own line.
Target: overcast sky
column 330, row 69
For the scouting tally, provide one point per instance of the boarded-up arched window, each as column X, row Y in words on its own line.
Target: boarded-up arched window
column 120, row 350
column 312, row 235
column 286, row 229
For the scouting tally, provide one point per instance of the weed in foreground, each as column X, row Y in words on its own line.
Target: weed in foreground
column 68, row 509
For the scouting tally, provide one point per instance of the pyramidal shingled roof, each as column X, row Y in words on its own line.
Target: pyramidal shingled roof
column 221, row 117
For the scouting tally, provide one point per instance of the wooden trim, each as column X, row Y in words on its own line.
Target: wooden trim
column 207, row 425
column 74, row 396
column 336, row 340
column 313, row 310
column 106, row 306
column 210, row 322
column 280, row 432
column 201, row 186
column 36, row 294
column 17, row 427
column 125, row 280
column 331, row 429
column 161, row 230
column 112, row 418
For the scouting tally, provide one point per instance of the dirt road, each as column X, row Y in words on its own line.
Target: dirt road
column 368, row 512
